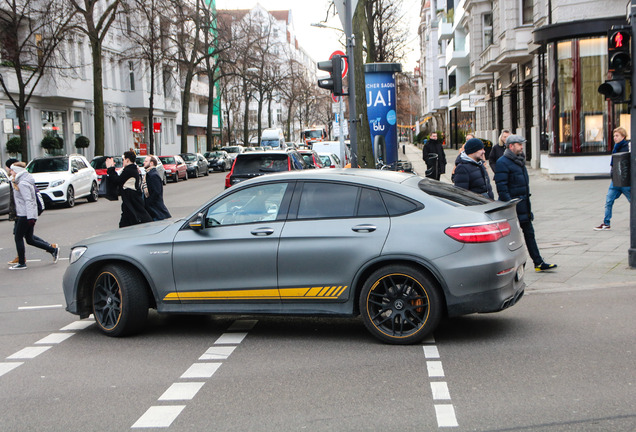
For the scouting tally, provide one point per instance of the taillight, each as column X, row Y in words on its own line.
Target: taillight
column 479, row 233
column 227, row 177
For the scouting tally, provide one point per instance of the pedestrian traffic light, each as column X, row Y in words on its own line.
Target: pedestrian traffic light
column 619, row 51
column 613, row 89
column 334, row 82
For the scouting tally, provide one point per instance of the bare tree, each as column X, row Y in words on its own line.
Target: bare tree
column 30, row 33
column 98, row 16
column 385, row 35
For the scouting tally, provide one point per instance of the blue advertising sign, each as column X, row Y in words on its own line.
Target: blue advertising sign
column 381, row 105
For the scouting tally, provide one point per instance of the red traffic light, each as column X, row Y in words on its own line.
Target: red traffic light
column 619, row 40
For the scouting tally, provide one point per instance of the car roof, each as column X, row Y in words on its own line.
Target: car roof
column 370, row 177
column 266, row 153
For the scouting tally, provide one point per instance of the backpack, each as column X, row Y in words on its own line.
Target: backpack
column 39, row 200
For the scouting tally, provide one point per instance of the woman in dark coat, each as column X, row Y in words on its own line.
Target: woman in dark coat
column 132, row 206
column 154, row 199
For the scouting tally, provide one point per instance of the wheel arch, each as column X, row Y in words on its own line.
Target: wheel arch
column 423, row 266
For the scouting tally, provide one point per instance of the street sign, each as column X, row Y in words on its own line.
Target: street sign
column 335, row 98
column 335, row 107
column 345, row 63
column 340, row 7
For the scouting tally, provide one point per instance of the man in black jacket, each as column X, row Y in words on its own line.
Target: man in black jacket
column 132, row 205
column 435, row 158
column 154, row 199
column 470, row 173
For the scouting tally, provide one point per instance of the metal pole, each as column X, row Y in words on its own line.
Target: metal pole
column 632, row 208
column 353, row 135
column 341, row 131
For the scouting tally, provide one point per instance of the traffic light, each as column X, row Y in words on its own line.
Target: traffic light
column 619, row 51
column 334, row 82
column 613, row 89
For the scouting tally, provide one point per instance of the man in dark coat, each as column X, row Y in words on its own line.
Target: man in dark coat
column 471, row 173
column 498, row 149
column 511, row 177
column 154, row 200
column 435, row 158
column 129, row 182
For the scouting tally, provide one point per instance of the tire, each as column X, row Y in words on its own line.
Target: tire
column 165, row 180
column 120, row 302
column 176, row 178
column 222, row 168
column 186, row 176
column 196, row 173
column 94, row 195
column 400, row 305
column 207, row 172
column 70, row 197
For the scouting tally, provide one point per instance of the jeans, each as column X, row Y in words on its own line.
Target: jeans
column 25, row 231
column 531, row 242
column 612, row 194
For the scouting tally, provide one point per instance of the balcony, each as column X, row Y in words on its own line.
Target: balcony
column 445, row 31
column 488, row 59
column 457, row 58
column 514, row 45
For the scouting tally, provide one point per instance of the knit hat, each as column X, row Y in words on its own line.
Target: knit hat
column 473, row 145
column 10, row 162
column 515, row 139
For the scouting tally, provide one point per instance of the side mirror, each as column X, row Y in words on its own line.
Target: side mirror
column 197, row 222
column 74, row 170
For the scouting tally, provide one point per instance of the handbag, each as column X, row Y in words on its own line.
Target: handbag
column 39, row 200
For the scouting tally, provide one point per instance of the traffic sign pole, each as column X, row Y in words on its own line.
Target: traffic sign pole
column 631, row 255
column 353, row 132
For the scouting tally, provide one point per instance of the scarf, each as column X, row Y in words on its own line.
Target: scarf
column 519, row 159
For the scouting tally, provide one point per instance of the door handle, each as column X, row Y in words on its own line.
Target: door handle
column 364, row 228
column 262, row 231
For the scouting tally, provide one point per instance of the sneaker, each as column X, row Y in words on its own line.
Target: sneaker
column 18, row 267
column 14, row 261
column 602, row 227
column 55, row 253
column 545, row 266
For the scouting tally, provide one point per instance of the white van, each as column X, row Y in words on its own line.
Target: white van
column 333, row 147
column 273, row 138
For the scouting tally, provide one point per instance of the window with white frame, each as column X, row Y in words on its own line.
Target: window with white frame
column 131, row 75
column 527, row 12
column 486, row 20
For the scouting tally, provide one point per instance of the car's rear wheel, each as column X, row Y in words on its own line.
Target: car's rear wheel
column 94, row 195
column 70, row 197
column 185, row 177
column 120, row 302
column 400, row 305
column 196, row 173
column 207, row 172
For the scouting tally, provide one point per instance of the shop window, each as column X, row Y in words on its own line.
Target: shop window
column 565, row 71
column 593, row 70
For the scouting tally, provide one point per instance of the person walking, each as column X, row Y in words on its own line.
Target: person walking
column 498, row 150
column 129, row 183
column 511, row 178
column 26, row 210
column 154, row 186
column 434, row 156
column 459, row 154
column 470, row 172
column 621, row 145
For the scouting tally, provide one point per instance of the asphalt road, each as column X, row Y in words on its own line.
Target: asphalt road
column 557, row 361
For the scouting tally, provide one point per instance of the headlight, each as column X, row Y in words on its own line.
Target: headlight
column 56, row 183
column 169, row 171
column 76, row 253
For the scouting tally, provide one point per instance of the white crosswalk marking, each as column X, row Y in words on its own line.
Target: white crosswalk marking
column 159, row 416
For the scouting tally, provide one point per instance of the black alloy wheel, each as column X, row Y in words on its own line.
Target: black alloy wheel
column 70, row 197
column 120, row 302
column 94, row 195
column 400, row 305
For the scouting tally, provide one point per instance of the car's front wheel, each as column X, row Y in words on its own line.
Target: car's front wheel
column 94, row 195
column 120, row 301
column 207, row 171
column 70, row 197
column 400, row 305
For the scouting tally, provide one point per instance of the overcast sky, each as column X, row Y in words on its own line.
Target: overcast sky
column 320, row 43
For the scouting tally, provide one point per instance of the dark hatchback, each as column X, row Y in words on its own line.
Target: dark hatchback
column 254, row 164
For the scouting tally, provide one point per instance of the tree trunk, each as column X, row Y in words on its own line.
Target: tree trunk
column 259, row 116
column 23, row 133
column 185, row 108
column 365, row 148
column 98, row 94
column 246, row 115
column 151, row 115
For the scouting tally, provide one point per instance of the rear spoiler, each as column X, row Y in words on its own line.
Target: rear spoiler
column 500, row 205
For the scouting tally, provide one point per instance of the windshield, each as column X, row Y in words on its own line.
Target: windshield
column 313, row 134
column 189, row 157
column 100, row 162
column 451, row 193
column 213, row 154
column 167, row 160
column 48, row 165
column 232, row 149
column 259, row 163
column 270, row 142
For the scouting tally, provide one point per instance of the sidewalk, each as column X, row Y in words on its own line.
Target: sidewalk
column 564, row 214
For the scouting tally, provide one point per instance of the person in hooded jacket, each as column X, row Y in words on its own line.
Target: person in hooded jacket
column 26, row 210
column 470, row 172
column 129, row 182
column 154, row 199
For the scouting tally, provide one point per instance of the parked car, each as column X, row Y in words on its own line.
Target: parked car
column 311, row 158
column 330, row 160
column 400, row 250
column 233, row 151
column 160, row 169
column 254, row 164
column 218, row 160
column 175, row 167
column 99, row 165
column 334, row 147
column 5, row 192
column 63, row 179
column 196, row 164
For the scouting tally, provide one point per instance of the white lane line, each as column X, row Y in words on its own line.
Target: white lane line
column 435, row 369
column 242, row 325
column 217, row 353
column 159, row 416
column 182, row 391
column 8, row 367
column 446, row 416
column 29, row 352
column 201, row 370
column 230, row 339
column 40, row 307
column 431, row 351
column 54, row 338
column 79, row 325
column 440, row 390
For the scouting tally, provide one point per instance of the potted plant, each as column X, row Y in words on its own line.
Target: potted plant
column 82, row 142
column 52, row 144
column 14, row 146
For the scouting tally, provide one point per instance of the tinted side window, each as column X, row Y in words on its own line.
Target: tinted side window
column 397, row 205
column 371, row 203
column 250, row 205
column 327, row 200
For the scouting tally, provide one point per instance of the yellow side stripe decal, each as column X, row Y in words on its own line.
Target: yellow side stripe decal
column 328, row 292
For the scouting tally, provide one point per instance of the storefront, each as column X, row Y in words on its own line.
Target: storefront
column 576, row 122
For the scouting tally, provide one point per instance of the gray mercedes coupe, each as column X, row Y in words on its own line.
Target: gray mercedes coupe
column 400, row 250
